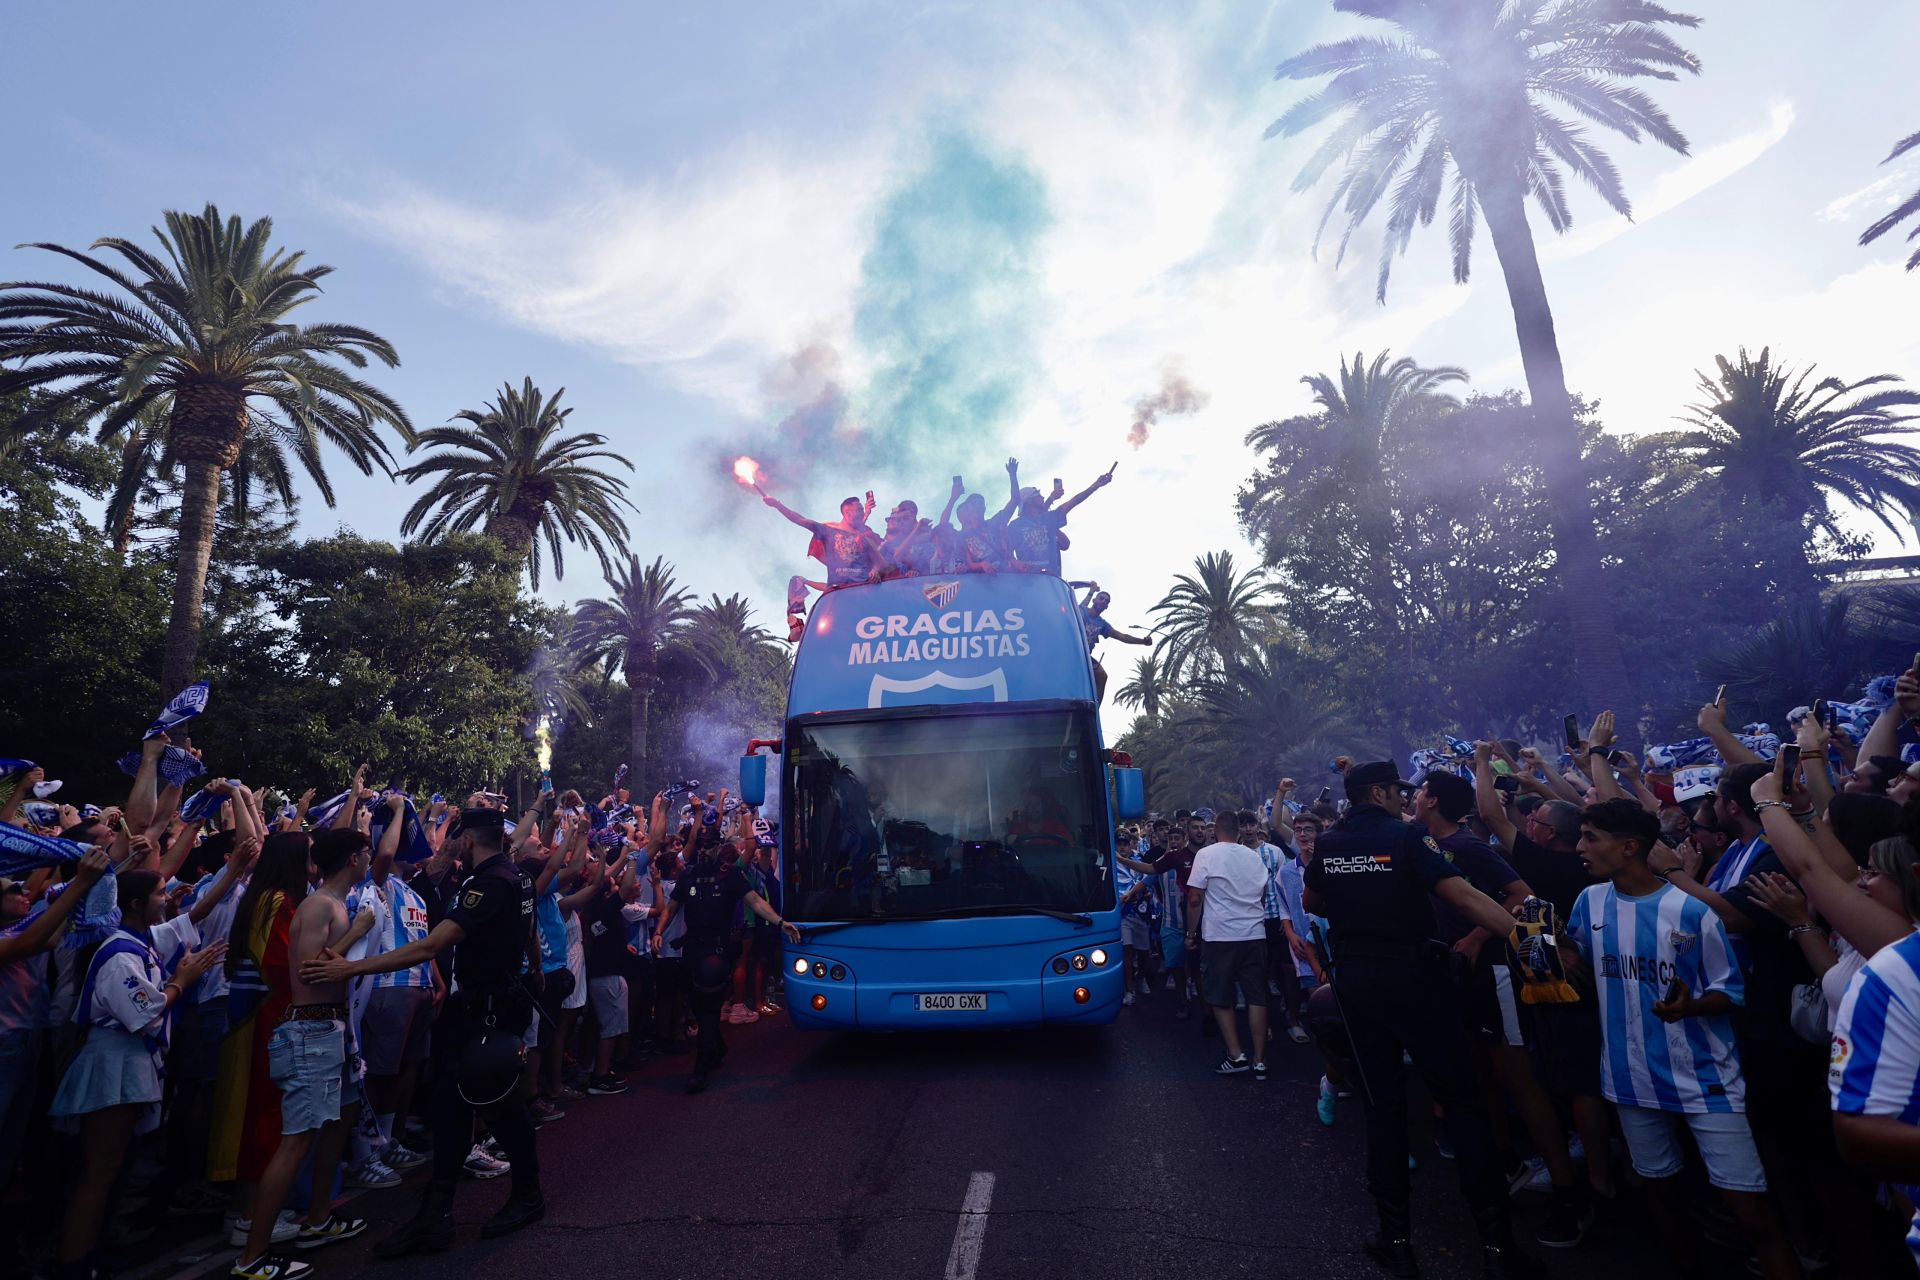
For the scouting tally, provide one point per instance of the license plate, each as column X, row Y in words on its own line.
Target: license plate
column 952, row 1002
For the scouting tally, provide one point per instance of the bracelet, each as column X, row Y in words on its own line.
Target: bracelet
column 1763, row 805
column 1669, row 873
column 175, row 987
column 1799, row 929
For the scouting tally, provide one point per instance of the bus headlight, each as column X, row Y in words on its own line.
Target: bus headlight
column 819, row 969
column 1079, row 964
column 1099, row 957
column 1059, row 964
column 839, row 973
column 800, row 966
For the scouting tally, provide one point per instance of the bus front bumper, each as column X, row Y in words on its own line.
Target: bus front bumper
column 1087, row 996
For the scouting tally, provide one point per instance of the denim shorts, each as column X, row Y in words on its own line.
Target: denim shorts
column 309, row 1060
column 1725, row 1142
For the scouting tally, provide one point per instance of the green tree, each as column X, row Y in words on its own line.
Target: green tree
column 511, row 473
column 1465, row 100
column 1902, row 211
column 722, row 633
column 1771, row 439
column 1267, row 716
column 414, row 658
column 205, row 327
column 627, row 630
column 1211, row 616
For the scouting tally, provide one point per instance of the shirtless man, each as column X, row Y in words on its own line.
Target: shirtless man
column 311, row 1061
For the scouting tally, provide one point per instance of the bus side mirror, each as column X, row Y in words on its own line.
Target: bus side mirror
column 753, row 780
column 1130, row 793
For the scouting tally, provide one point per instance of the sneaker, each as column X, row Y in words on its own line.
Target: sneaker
column 479, row 1164
column 332, row 1231
column 1169, row 982
column 726, row 1012
column 1565, row 1226
column 1532, row 1175
column 1443, row 1144
column 544, row 1112
column 270, row 1267
column 744, row 1013
column 284, row 1229
column 398, row 1155
column 1127, row 999
column 371, row 1173
column 569, row 1093
column 771, row 1009
column 1233, row 1066
column 1323, row 1105
column 1146, row 988
column 601, row 1086
column 1259, row 1071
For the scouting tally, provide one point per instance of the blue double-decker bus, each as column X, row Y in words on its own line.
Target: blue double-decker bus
column 948, row 810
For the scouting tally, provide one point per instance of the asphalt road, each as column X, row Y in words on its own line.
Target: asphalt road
column 1098, row 1153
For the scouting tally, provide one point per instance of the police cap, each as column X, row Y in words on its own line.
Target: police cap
column 478, row 820
column 1375, row 773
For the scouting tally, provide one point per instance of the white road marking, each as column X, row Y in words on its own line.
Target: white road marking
column 971, row 1235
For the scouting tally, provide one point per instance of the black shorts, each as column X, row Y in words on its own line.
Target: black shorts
column 1223, row 965
column 1567, row 1039
column 766, row 945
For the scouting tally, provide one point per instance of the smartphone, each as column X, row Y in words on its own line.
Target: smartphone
column 1819, row 711
column 1571, row 726
column 1326, row 794
column 1501, row 767
column 1676, row 991
column 1506, row 782
column 1833, row 719
column 1720, row 696
column 1789, row 762
column 1615, row 757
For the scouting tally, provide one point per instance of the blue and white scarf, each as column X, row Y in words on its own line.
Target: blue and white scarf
column 186, row 704
column 177, row 765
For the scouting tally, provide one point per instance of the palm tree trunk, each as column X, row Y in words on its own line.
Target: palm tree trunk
column 1602, row 670
column 199, row 503
column 640, row 675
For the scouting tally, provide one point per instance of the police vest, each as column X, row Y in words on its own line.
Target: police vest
column 707, row 913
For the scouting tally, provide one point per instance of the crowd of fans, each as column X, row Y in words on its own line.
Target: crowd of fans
column 1712, row 979
column 163, row 1054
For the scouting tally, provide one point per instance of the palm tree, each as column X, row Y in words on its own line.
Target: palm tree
column 1906, row 209
column 1211, row 616
column 1463, row 100
column 555, row 681
column 1772, row 438
column 1148, row 690
column 1266, row 715
column 202, row 327
column 149, row 475
column 721, row 634
column 515, row 476
column 646, row 612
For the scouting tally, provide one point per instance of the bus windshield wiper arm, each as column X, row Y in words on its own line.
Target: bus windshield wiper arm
column 1078, row 919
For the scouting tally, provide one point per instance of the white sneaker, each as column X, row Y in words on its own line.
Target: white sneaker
column 285, row 1228
column 1127, row 998
column 726, row 1012
column 1298, row 1034
column 398, row 1156
column 1169, row 982
column 745, row 1013
column 481, row 1165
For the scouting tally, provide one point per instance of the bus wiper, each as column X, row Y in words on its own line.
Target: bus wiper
column 1075, row 918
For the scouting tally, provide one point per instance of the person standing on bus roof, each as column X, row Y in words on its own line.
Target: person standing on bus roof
column 983, row 540
column 1097, row 628
column 850, row 550
column 1036, row 535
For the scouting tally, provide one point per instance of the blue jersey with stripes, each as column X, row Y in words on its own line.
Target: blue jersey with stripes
column 1147, row 906
column 1637, row 947
column 400, row 917
column 1875, row 1063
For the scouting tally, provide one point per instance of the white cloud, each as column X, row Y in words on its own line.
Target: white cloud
column 1691, row 177
column 1862, row 204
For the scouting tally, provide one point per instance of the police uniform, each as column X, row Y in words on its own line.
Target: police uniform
column 494, row 909
column 709, row 898
column 1373, row 875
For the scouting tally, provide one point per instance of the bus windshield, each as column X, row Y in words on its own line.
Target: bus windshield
column 929, row 816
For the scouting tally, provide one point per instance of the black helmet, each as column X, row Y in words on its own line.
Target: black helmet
column 490, row 1066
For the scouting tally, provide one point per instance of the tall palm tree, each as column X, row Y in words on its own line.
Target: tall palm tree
column 1901, row 212
column 204, row 327
column 1211, row 616
column 646, row 612
column 149, row 475
column 1466, row 100
column 1148, row 690
column 1769, row 436
column 513, row 474
column 1266, row 715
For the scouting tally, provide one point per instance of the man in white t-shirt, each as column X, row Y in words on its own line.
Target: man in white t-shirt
column 1226, row 909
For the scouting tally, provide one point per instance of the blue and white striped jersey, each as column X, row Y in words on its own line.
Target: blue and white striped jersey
column 1875, row 1063
column 1637, row 947
column 1273, row 901
column 1147, row 905
column 400, row 917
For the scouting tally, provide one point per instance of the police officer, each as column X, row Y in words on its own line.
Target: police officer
column 489, row 926
column 710, row 892
column 1373, row 877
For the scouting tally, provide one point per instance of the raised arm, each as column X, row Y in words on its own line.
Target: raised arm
column 10, row 811
column 1100, row 482
column 787, row 511
column 954, row 495
column 39, row 935
column 1830, row 888
column 1282, row 820
column 1713, row 722
column 343, row 819
column 1487, row 796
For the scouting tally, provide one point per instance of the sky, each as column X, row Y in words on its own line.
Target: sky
column 878, row 244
